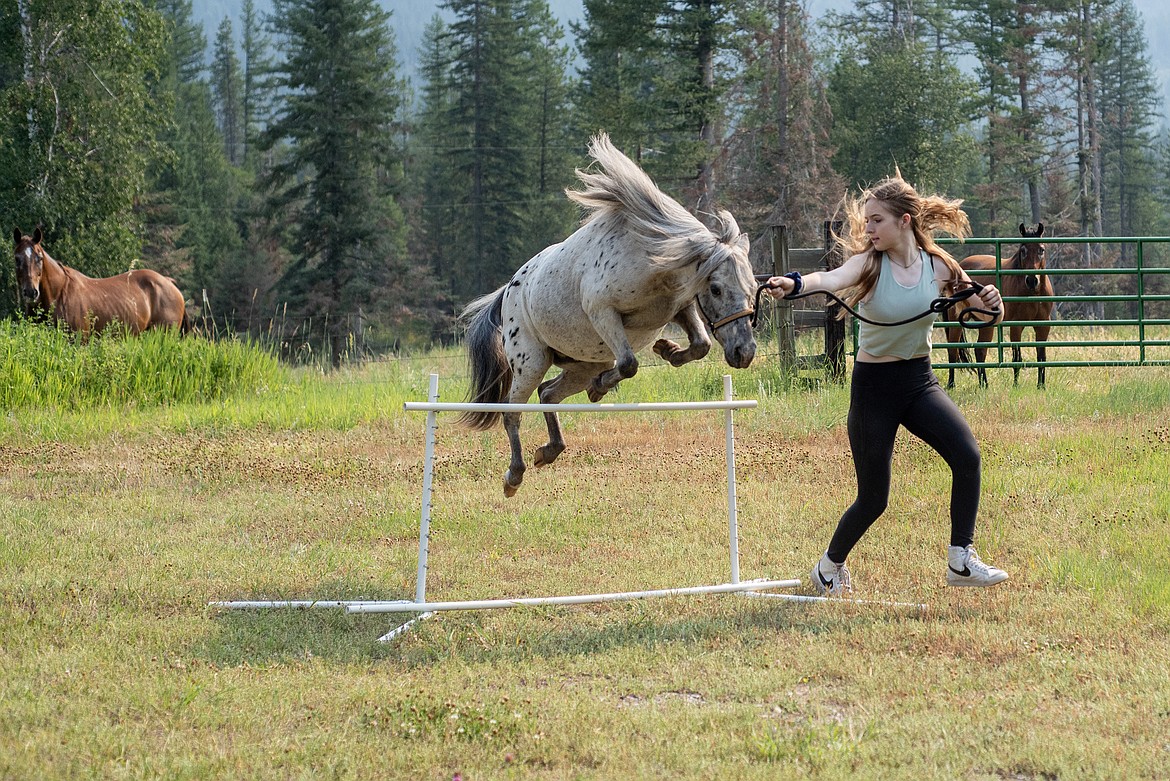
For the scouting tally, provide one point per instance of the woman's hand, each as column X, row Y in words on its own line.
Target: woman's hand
column 990, row 297
column 779, row 287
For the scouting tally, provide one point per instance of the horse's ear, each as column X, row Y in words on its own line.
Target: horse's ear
column 1039, row 229
column 727, row 226
column 37, row 235
column 16, row 234
column 1023, row 229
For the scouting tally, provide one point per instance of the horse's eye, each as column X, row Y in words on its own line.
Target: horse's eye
column 716, row 291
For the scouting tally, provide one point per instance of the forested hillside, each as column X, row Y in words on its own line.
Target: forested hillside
column 295, row 178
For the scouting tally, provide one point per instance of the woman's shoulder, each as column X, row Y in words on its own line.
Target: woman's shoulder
column 938, row 260
column 944, row 271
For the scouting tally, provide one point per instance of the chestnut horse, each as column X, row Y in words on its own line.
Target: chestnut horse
column 981, row 268
column 138, row 300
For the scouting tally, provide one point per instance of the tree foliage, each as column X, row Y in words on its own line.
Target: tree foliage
column 80, row 119
column 335, row 186
column 289, row 170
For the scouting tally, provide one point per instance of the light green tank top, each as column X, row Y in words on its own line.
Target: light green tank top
column 892, row 302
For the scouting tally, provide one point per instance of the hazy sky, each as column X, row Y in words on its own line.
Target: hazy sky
column 410, row 16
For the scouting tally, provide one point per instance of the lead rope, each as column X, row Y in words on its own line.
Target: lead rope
column 967, row 317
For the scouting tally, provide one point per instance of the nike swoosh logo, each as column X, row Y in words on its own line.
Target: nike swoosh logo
column 966, row 573
column 825, row 583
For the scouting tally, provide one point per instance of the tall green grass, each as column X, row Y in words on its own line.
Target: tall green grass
column 49, row 368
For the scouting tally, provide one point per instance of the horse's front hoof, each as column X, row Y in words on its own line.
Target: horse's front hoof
column 596, row 393
column 664, row 349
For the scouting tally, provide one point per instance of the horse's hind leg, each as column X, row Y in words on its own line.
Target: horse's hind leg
column 515, row 474
column 573, row 378
column 980, row 357
column 529, row 361
column 953, row 335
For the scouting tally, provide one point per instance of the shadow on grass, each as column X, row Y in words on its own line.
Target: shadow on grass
column 286, row 635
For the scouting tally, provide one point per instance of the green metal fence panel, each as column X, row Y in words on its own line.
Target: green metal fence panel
column 1146, row 306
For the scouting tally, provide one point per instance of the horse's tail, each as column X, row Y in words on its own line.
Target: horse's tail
column 186, row 327
column 491, row 377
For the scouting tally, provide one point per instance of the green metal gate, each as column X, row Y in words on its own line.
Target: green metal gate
column 1144, row 308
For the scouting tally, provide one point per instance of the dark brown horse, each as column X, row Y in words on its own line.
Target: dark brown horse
column 138, row 300
column 981, row 268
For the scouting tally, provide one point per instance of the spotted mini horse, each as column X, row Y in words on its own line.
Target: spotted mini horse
column 590, row 303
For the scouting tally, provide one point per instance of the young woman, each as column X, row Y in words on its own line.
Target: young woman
column 894, row 272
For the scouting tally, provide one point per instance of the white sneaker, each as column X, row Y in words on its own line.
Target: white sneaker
column 831, row 578
column 965, row 568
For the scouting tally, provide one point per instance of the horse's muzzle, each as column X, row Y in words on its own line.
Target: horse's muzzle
column 30, row 294
column 1031, row 282
column 740, row 357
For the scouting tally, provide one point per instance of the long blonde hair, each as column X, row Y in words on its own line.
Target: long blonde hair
column 929, row 215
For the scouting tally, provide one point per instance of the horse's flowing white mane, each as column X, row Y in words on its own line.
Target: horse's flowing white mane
column 673, row 236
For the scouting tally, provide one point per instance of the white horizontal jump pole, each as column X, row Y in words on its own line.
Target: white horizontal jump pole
column 579, row 599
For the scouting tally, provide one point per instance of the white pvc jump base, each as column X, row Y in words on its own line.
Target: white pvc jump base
column 428, row 609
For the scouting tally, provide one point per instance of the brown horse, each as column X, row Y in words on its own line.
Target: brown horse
column 138, row 300
column 981, row 268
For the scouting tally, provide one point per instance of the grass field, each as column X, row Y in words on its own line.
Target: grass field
column 122, row 520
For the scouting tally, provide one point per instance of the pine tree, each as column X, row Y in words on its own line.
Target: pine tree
column 1130, row 116
column 620, row 47
column 651, row 79
column 552, row 216
column 258, row 94
column 493, row 90
column 336, row 185
column 227, row 83
column 1006, row 55
column 434, row 180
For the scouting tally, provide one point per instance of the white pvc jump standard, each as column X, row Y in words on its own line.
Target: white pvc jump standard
column 428, row 609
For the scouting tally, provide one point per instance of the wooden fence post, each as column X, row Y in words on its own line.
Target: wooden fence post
column 786, row 325
column 834, row 327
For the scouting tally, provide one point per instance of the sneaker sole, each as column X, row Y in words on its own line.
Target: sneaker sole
column 967, row 583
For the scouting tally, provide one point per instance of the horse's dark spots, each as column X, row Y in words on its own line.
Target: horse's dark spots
column 515, row 283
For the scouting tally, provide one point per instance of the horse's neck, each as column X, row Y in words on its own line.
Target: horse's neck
column 57, row 274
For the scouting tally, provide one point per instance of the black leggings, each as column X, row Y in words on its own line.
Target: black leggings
column 882, row 397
